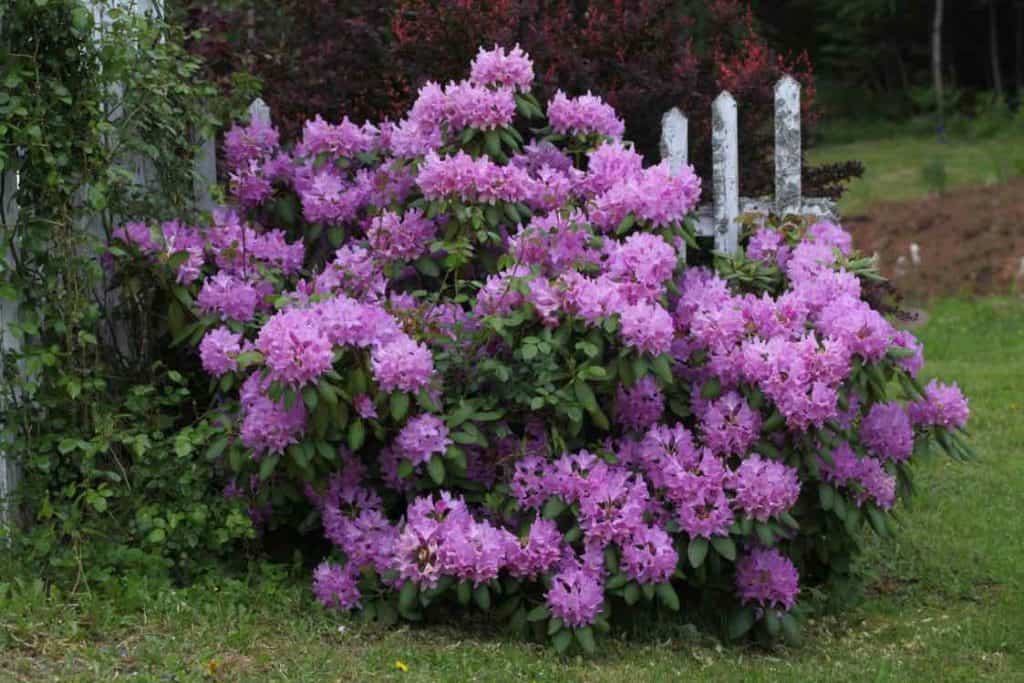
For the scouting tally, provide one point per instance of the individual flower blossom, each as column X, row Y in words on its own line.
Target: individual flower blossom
column 639, row 406
column 336, row 587
column 610, row 164
column 138, row 234
column 294, row 347
column 539, row 553
column 649, row 556
column 646, row 327
column 512, row 69
column 219, row 350
column 253, row 142
column 400, row 237
column 421, row 438
column 364, row 407
column 887, row 432
column 912, row 363
column 229, row 296
column 267, row 425
column 866, row 477
column 763, row 488
column 575, row 596
column 402, row 364
column 345, row 139
column 529, row 482
column 729, row 425
column 830, row 234
column 586, row 114
column 768, row 246
column 766, row 577
column 943, row 405
column 476, row 106
column 643, row 258
column 703, row 511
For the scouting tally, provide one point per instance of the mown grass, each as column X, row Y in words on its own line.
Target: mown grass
column 895, row 166
column 944, row 602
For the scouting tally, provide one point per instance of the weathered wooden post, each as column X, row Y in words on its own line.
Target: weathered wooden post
column 787, row 146
column 9, row 344
column 725, row 164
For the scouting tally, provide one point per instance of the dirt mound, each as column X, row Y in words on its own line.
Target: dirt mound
column 968, row 241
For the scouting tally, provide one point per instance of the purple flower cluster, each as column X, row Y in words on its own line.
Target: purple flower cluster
column 583, row 115
column 767, row 578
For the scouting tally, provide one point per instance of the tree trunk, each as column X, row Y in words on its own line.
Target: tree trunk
column 993, row 45
column 1019, row 61
column 937, row 59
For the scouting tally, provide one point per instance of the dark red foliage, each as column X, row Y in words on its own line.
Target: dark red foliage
column 367, row 60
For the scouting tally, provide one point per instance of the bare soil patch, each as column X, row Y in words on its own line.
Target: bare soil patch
column 968, row 241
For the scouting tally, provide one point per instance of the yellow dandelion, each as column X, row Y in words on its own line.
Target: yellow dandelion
column 401, row 666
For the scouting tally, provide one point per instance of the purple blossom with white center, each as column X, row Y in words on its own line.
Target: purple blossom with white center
column 943, row 405
column 575, row 596
column 512, row 69
column 421, row 438
column 219, row 350
column 887, row 432
column 336, row 587
column 763, row 489
column 649, row 556
column 639, row 406
column 766, row 577
column 402, row 364
column 586, row 114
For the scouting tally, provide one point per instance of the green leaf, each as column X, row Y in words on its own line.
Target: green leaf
column 585, row 637
column 711, row 389
column 492, row 141
column 267, row 466
column 697, row 551
column 408, row 596
column 631, row 594
column 827, row 495
column 791, row 630
column 538, row 613
column 772, row 623
column 435, row 468
column 662, row 368
column 464, row 592
column 310, row 397
column 482, row 597
column 585, row 395
column 553, row 508
column 249, row 358
column 405, row 468
column 356, row 435
column 740, row 622
column 561, row 641
column 399, row 405
column 725, row 547
column 668, row 597
column 216, row 448
column 554, row 626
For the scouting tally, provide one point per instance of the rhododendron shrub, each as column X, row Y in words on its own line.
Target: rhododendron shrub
column 467, row 345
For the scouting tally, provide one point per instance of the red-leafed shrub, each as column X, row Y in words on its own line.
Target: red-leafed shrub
column 367, row 60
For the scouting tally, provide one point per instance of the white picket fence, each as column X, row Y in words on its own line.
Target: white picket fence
column 717, row 218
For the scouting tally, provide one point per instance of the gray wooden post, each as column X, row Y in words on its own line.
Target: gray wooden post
column 725, row 172
column 787, row 146
column 674, row 143
column 259, row 111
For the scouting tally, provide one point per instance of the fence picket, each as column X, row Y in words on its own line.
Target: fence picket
column 725, row 172
column 787, row 145
column 674, row 143
column 9, row 343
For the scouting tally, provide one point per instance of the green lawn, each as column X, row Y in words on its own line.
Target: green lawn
column 893, row 166
column 944, row 602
